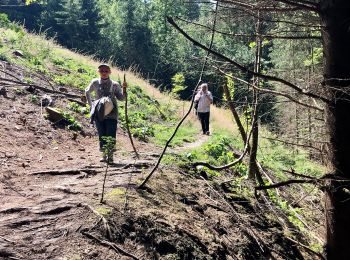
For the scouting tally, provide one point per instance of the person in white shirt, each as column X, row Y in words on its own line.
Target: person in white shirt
column 105, row 87
column 204, row 99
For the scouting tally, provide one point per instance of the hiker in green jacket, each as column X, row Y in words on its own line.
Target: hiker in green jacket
column 105, row 87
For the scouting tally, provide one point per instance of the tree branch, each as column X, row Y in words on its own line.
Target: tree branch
column 244, row 69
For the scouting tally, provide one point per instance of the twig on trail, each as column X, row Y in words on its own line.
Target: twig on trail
column 127, row 122
column 143, row 184
column 109, row 244
column 106, row 226
column 8, row 185
column 306, row 248
column 104, row 181
column 7, row 240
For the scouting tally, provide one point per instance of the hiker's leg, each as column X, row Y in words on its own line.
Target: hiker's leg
column 101, row 129
column 111, row 128
column 201, row 118
column 207, row 122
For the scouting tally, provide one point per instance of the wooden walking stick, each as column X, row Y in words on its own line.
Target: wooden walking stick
column 127, row 122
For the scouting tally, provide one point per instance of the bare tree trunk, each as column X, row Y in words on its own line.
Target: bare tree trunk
column 336, row 41
column 235, row 114
column 253, row 172
column 309, row 115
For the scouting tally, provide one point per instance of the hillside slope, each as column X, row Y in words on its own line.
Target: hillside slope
column 51, row 178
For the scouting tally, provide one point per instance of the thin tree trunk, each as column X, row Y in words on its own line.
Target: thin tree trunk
column 253, row 172
column 235, row 114
column 335, row 20
column 127, row 123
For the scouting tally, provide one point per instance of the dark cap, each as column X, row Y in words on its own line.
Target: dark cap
column 104, row 65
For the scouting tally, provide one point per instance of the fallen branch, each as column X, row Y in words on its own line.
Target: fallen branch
column 111, row 245
column 284, row 183
column 65, row 171
column 220, row 168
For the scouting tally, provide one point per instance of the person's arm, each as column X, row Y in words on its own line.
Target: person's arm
column 209, row 96
column 88, row 92
column 120, row 92
column 197, row 97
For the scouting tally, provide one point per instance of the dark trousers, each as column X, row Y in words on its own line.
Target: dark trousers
column 106, row 128
column 204, row 118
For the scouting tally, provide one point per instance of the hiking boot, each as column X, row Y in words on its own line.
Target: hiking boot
column 207, row 133
column 103, row 159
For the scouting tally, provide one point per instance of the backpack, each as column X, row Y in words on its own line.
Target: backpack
column 102, row 107
column 107, row 102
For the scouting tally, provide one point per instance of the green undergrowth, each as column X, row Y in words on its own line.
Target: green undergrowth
column 150, row 120
column 274, row 157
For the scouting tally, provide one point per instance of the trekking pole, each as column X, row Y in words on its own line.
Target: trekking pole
column 127, row 122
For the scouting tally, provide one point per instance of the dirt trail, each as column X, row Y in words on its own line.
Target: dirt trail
column 39, row 213
column 200, row 140
column 41, row 210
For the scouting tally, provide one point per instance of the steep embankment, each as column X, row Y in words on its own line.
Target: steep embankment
column 51, row 178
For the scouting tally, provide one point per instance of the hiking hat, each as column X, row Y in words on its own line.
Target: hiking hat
column 104, row 65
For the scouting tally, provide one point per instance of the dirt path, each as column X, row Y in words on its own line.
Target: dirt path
column 201, row 139
column 40, row 212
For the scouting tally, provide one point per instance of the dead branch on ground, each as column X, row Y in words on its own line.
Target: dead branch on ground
column 109, row 244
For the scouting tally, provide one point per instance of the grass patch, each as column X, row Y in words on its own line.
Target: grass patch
column 104, row 211
column 186, row 134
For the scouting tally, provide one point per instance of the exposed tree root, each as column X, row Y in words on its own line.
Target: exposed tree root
column 13, row 210
column 111, row 245
column 106, row 226
column 66, row 171
column 54, row 211
column 308, row 249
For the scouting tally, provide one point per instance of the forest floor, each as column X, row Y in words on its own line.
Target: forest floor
column 51, row 181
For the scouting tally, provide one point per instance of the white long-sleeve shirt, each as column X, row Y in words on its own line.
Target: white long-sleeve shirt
column 105, row 88
column 204, row 101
